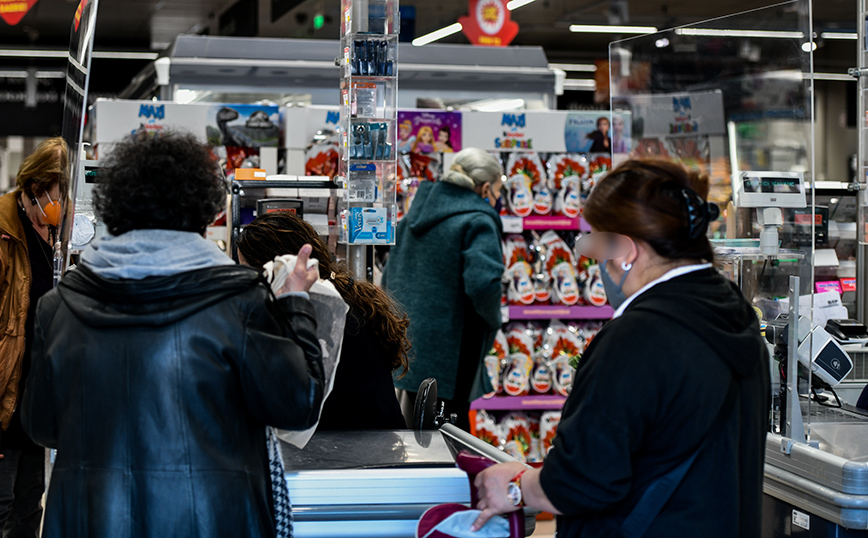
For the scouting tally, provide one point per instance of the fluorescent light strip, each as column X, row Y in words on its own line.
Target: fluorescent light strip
column 515, row 4
column 832, row 76
column 437, row 34
column 39, row 74
column 42, row 53
column 839, row 35
column 126, row 55
column 714, row 32
column 584, row 68
column 604, row 29
column 580, row 84
column 456, row 27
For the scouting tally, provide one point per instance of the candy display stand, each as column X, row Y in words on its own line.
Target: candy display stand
column 522, row 421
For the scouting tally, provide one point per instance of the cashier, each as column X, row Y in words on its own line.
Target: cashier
column 671, row 396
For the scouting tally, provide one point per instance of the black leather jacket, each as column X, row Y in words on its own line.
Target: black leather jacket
column 156, row 393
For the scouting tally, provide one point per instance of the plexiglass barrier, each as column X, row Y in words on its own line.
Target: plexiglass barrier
column 732, row 97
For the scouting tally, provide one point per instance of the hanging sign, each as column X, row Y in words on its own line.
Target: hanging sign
column 12, row 11
column 489, row 24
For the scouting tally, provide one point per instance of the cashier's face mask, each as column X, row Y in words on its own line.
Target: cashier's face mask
column 614, row 292
column 51, row 211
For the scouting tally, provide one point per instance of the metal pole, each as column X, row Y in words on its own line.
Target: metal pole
column 862, row 168
column 357, row 261
column 794, row 426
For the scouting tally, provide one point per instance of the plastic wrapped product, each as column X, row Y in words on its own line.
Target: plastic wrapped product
column 513, row 448
column 495, row 362
column 516, row 377
column 563, row 375
column 568, row 200
column 527, row 164
column 565, row 287
column 535, row 454
column 543, row 198
column 548, row 428
column 541, row 377
column 519, row 196
column 595, row 293
column 515, row 249
column 567, row 165
column 520, row 290
column 516, row 427
column 487, row 429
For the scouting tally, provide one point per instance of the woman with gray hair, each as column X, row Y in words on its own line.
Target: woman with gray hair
column 446, row 268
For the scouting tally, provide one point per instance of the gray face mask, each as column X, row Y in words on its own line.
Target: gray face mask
column 614, row 292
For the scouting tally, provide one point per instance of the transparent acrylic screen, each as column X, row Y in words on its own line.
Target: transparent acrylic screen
column 724, row 94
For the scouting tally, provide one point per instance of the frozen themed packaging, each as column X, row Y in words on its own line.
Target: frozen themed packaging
column 519, row 196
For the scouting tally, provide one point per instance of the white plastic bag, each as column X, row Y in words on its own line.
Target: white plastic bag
column 330, row 312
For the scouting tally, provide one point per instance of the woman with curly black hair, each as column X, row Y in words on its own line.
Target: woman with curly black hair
column 375, row 337
column 158, row 362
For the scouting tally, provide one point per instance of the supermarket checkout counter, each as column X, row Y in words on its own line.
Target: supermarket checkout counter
column 378, row 483
column 822, row 491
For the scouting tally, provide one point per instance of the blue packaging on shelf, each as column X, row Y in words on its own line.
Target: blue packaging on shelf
column 369, row 225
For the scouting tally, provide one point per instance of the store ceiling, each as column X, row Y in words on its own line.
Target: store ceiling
column 146, row 25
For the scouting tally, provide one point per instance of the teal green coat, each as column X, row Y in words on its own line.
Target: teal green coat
column 445, row 269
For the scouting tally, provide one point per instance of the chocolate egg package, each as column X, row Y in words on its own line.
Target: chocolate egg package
column 528, row 164
column 516, row 427
column 567, row 172
column 519, row 364
column 487, row 429
column 560, row 264
column 519, row 196
column 548, row 428
column 495, row 362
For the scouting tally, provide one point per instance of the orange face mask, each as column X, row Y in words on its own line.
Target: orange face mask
column 51, row 212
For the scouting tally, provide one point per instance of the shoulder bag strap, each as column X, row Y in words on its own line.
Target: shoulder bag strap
column 659, row 492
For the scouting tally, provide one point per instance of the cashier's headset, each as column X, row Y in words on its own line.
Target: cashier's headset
column 821, row 355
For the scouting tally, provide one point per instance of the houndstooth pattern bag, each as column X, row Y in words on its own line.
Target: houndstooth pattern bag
column 279, row 488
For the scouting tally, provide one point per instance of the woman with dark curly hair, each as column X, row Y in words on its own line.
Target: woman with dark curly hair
column 158, row 362
column 375, row 337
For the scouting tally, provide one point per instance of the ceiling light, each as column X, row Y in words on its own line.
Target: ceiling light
column 588, row 85
column 809, row 46
column 833, row 76
column 126, row 55
column 43, row 53
column 605, row 29
column 585, row 68
column 437, row 34
column 39, row 74
column 662, row 42
column 515, row 4
column 496, row 105
column 713, row 32
column 839, row 35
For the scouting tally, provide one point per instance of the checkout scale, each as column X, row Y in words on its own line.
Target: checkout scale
column 816, row 464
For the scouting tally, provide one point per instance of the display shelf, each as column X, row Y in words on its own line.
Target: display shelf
column 531, row 402
column 368, row 157
column 240, row 184
column 550, row 222
column 560, row 312
column 513, row 224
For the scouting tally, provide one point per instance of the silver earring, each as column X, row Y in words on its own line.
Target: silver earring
column 626, row 266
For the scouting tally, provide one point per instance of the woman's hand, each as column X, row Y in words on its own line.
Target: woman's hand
column 491, row 485
column 301, row 278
